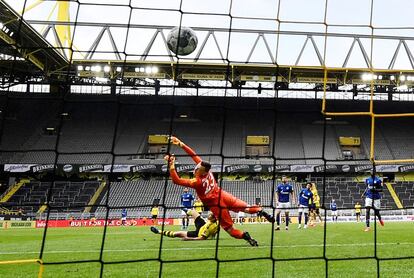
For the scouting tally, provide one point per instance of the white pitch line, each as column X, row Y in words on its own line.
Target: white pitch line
column 200, row 248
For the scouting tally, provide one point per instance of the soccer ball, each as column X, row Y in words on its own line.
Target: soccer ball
column 182, row 41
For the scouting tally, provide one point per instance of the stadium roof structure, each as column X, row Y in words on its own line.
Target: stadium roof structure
column 23, row 49
column 275, row 51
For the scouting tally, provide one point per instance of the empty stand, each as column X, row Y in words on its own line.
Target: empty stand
column 64, row 194
column 347, row 192
column 405, row 192
column 142, row 193
column 89, row 127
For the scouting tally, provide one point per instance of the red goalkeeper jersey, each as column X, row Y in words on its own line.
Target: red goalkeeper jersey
column 205, row 186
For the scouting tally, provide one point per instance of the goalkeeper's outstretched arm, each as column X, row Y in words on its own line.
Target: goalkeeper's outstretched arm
column 174, row 175
column 186, row 148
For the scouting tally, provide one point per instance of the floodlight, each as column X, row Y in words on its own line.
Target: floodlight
column 402, row 88
column 97, row 68
column 366, row 76
column 102, row 79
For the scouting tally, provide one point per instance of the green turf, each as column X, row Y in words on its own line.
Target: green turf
column 343, row 240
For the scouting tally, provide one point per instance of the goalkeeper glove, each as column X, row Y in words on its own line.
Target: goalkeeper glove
column 175, row 141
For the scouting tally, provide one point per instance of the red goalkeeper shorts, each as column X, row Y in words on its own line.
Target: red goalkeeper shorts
column 227, row 203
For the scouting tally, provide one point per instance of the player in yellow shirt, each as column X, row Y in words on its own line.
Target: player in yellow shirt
column 314, row 209
column 154, row 214
column 358, row 212
column 93, row 221
column 198, row 206
column 204, row 229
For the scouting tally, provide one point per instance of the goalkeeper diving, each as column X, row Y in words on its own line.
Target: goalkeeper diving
column 219, row 201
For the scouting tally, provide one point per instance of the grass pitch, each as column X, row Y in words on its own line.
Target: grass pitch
column 75, row 246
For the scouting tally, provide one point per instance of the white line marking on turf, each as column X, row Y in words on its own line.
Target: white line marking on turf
column 199, row 248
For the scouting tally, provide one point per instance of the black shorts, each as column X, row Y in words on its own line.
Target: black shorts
column 358, row 214
column 312, row 207
column 198, row 222
column 154, row 216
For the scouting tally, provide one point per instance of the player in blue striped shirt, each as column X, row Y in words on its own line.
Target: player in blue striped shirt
column 334, row 209
column 284, row 193
column 187, row 200
column 123, row 217
column 305, row 200
column 373, row 198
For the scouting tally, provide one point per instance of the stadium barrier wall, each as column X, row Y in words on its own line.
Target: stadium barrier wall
column 402, row 218
column 101, row 223
column 17, row 224
column 74, row 169
column 167, row 221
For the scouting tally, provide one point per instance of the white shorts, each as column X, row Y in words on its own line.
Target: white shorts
column 303, row 208
column 283, row 206
column 183, row 213
column 334, row 213
column 123, row 218
column 376, row 204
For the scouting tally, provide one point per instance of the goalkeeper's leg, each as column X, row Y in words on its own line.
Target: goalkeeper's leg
column 227, row 200
column 240, row 205
column 226, row 222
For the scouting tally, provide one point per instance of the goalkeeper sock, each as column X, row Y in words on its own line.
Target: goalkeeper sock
column 264, row 214
column 249, row 239
column 236, row 233
column 168, row 233
column 253, row 209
